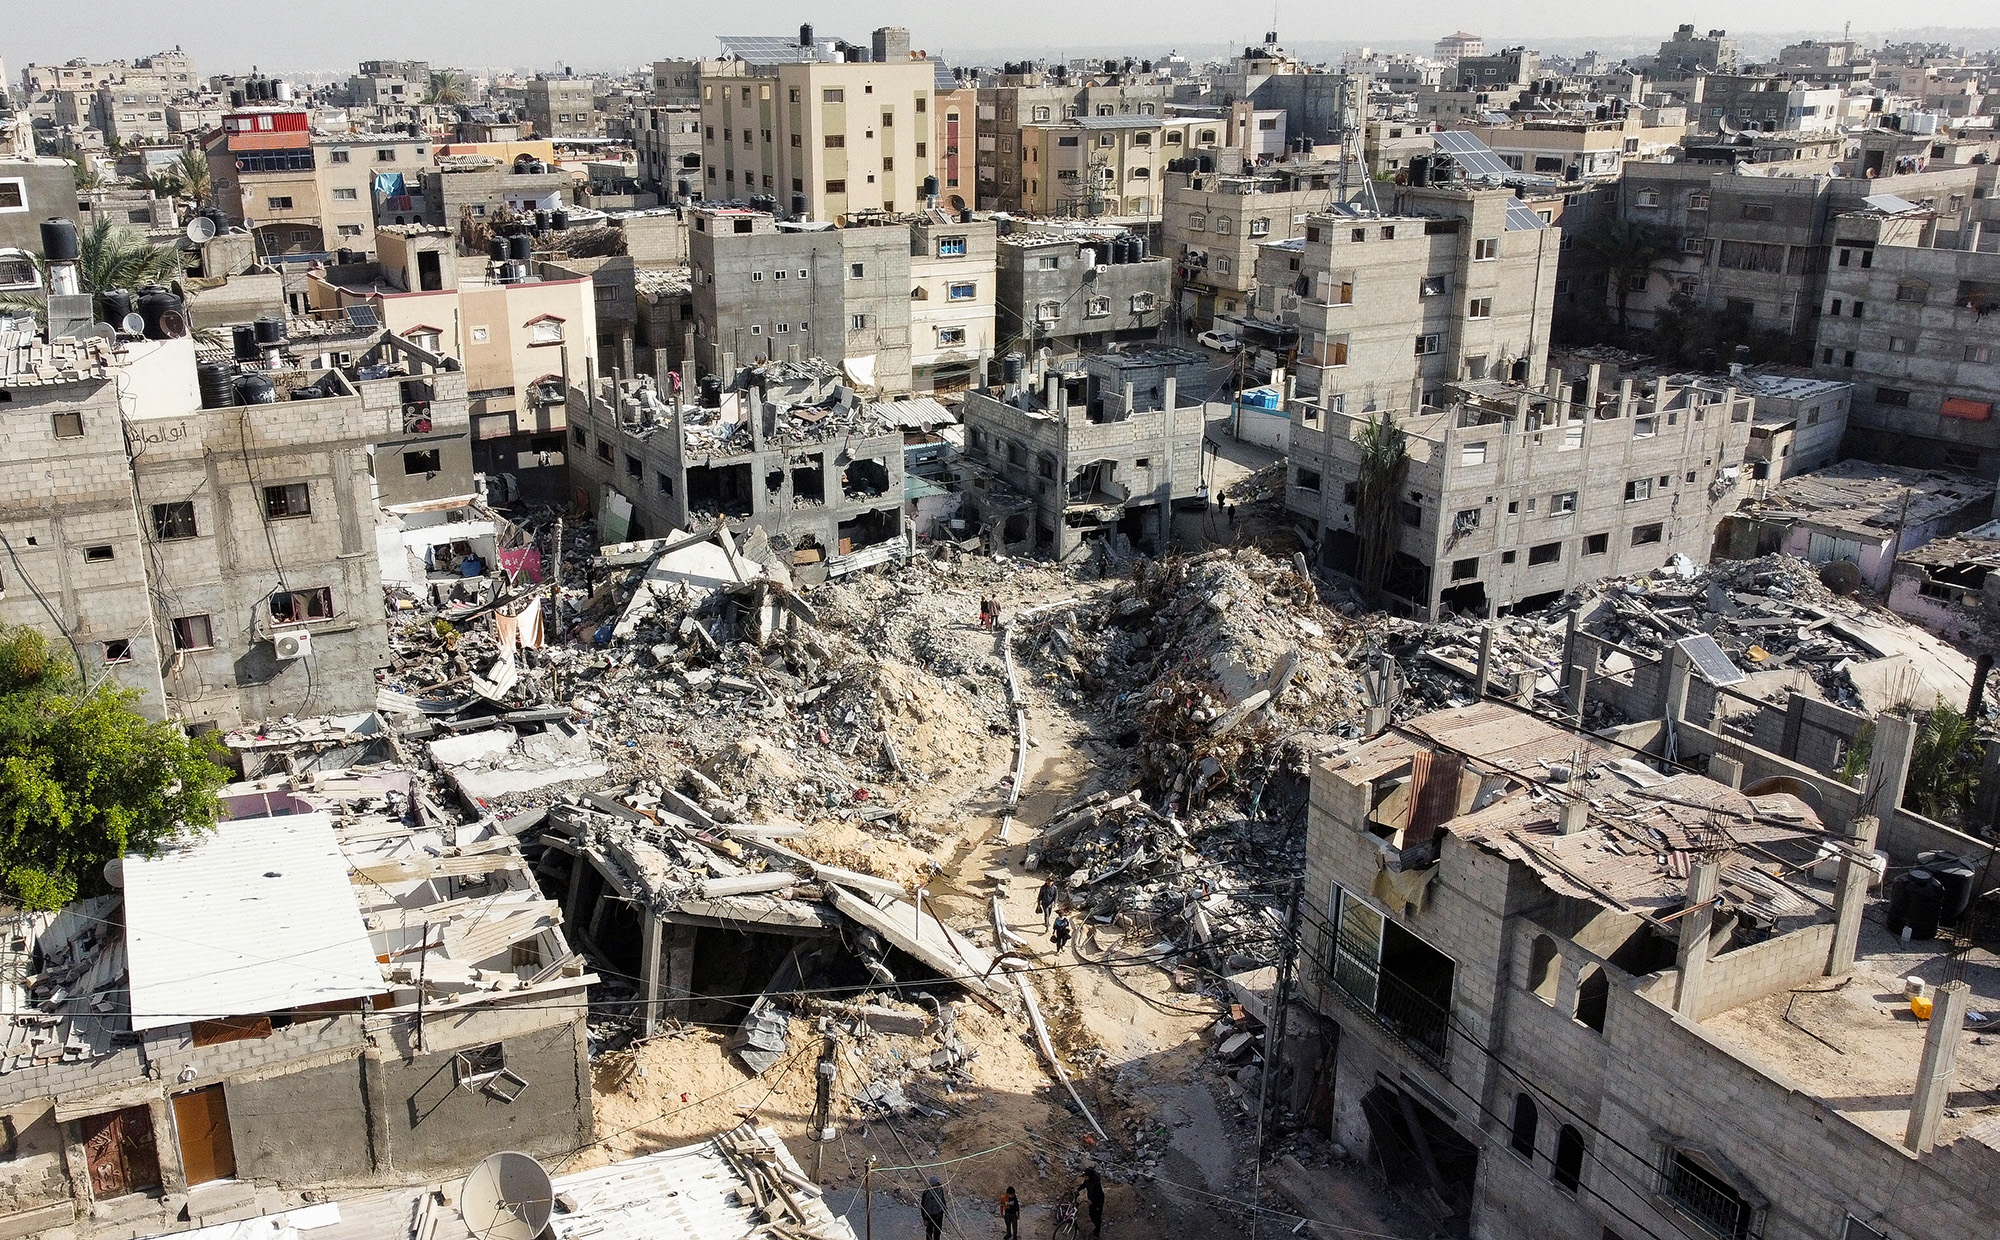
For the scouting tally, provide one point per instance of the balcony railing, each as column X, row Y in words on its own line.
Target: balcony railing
column 1414, row 1019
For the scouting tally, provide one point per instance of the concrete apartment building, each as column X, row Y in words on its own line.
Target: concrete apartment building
column 303, row 192
column 184, row 1078
column 1516, row 493
column 786, row 447
column 467, row 189
column 1105, row 449
column 177, row 541
column 677, row 82
column 1505, row 70
column 74, row 75
column 955, row 131
column 564, row 108
column 389, row 83
column 1317, row 104
column 1687, row 52
column 1449, row 50
column 1457, row 284
column 1001, row 172
column 1583, row 1007
column 1579, row 147
column 1103, row 165
column 846, row 137
column 132, row 111
column 666, row 137
column 33, row 188
column 1069, row 289
column 1912, row 319
column 1213, row 222
column 1772, row 104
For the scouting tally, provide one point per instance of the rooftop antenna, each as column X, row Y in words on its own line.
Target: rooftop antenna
column 508, row 1196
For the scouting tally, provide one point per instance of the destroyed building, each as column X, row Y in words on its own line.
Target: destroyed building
column 1105, row 448
column 1564, row 991
column 1944, row 585
column 337, row 985
column 786, row 448
column 205, row 530
column 1855, row 511
column 1516, row 493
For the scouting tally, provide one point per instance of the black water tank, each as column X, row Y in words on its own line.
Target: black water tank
column 159, row 308
column 1916, row 900
column 1957, row 875
column 559, row 219
column 711, row 392
column 1011, row 368
column 683, row 189
column 217, row 382
column 270, row 331
column 345, row 257
column 255, row 390
column 799, row 206
column 59, row 241
column 930, row 187
column 805, row 35
column 1138, row 248
column 520, row 247
column 1420, row 170
column 117, row 305
column 1121, row 249
column 496, row 249
column 541, row 221
column 243, row 339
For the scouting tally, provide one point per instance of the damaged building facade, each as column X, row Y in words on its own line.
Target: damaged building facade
column 336, row 986
column 1514, row 493
column 788, row 448
column 220, row 557
column 1104, row 450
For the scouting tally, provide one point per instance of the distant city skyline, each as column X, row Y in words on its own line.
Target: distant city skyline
column 233, row 35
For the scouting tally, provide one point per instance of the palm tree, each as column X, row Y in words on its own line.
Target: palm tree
column 109, row 257
column 1626, row 251
column 165, row 183
column 1385, row 462
column 1944, row 765
column 88, row 178
column 192, row 167
column 446, row 88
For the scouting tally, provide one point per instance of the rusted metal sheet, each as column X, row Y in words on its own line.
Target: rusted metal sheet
column 1433, row 794
column 119, row 1151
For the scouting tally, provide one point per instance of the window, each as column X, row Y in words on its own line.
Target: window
column 579, row 436
column 1646, row 427
column 858, row 322
column 1978, row 353
column 428, row 461
column 1428, row 345
column 1433, row 286
column 833, row 95
column 1465, row 570
column 1547, row 553
column 547, row 330
column 289, row 499
column 1526, row 1116
column 1597, row 544
column 1097, row 307
column 963, row 290
column 1638, row 489
column 1902, row 344
column 1913, row 290
column 340, row 157
column 1567, row 1172
column 66, row 425
column 118, row 651
column 298, row 605
column 346, row 195
column 280, row 203
column 173, row 520
column 1647, row 198
column 1562, row 503
column 1645, row 535
column 1897, row 397
column 1260, row 228
column 1048, row 311
column 193, row 633
column 1306, row 479
column 1142, row 302
column 1472, row 453
column 1465, row 519
column 1479, row 308
column 950, row 335
column 632, row 467
column 1705, row 1196
column 1048, row 262
column 1697, row 202
column 1756, row 211
column 1485, row 249
column 856, row 271
column 949, row 246
column 836, row 187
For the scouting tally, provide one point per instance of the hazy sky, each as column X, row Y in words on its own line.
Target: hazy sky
column 280, row 35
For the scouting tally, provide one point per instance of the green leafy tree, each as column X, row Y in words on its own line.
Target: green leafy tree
column 1944, row 765
column 88, row 178
column 85, row 778
column 109, row 256
column 1385, row 462
column 192, row 165
column 1625, row 250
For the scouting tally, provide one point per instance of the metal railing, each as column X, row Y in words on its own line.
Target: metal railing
column 1395, row 1005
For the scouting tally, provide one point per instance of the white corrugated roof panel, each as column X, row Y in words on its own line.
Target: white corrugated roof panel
column 257, row 916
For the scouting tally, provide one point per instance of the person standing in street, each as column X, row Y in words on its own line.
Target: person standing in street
column 1010, row 1214
column 933, row 1206
column 1093, row 1196
column 1062, row 932
column 1045, row 903
column 985, row 612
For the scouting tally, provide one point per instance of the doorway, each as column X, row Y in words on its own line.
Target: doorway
column 119, row 1151
column 202, row 1119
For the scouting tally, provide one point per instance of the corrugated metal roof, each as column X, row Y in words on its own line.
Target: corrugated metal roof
column 257, row 916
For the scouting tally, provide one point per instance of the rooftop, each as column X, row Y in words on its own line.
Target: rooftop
column 1869, row 499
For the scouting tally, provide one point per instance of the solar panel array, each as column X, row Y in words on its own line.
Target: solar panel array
column 1474, row 156
column 1520, row 216
column 362, row 316
column 945, row 81
column 767, row 49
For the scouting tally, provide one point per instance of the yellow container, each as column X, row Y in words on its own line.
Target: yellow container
column 1920, row 1007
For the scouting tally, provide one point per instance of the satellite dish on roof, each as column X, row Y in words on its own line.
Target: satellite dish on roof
column 132, row 325
column 508, row 1196
column 1726, row 125
column 200, row 229
column 98, row 331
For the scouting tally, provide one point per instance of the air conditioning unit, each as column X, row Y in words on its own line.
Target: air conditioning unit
column 291, row 644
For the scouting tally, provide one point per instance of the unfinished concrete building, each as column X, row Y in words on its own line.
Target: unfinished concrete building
column 1076, row 288
column 788, row 448
column 1516, row 493
column 1910, row 319
column 1562, row 991
column 328, row 989
column 1105, row 449
column 221, row 558
column 1213, row 223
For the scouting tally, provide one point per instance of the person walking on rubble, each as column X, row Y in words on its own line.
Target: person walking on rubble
column 1045, row 903
column 1093, row 1196
column 1062, row 932
column 994, row 604
column 1010, row 1214
column 933, row 1206
column 985, row 612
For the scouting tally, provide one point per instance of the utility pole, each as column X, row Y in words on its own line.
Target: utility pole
column 822, row 1117
column 1274, row 1038
column 868, row 1200
column 1896, row 547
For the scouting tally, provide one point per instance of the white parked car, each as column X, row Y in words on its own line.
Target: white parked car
column 1223, row 342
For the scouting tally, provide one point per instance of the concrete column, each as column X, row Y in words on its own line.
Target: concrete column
column 1679, row 669
column 1695, row 929
column 1938, row 1071
column 1725, row 771
column 1888, row 765
column 597, row 912
column 375, row 1101
column 1851, row 896
column 1481, row 680
column 649, row 973
column 680, row 969
column 578, row 863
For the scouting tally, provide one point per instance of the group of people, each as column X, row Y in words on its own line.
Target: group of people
column 989, row 611
column 1055, row 922
column 934, row 1205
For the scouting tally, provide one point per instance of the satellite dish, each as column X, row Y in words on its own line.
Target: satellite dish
column 506, row 1197
column 173, row 324
column 99, row 331
column 131, row 325
column 200, row 229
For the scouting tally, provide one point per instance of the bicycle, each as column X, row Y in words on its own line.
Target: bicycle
column 1066, row 1224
